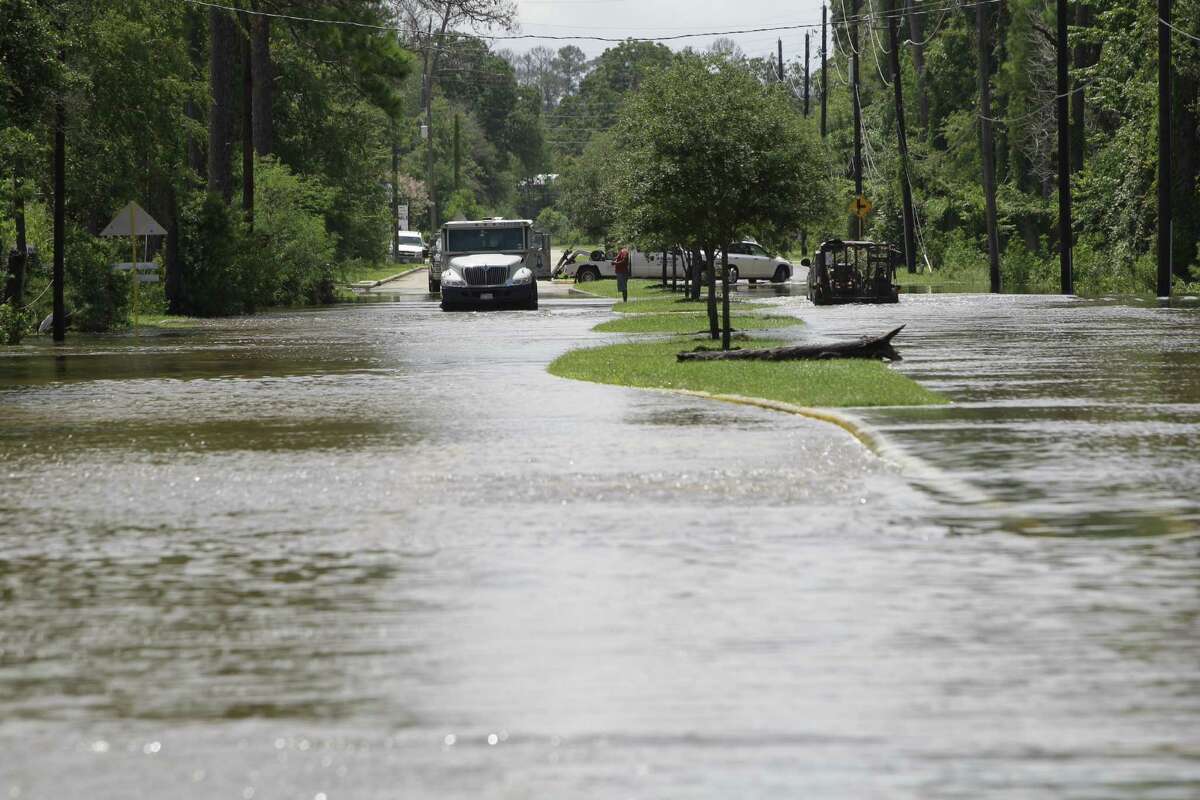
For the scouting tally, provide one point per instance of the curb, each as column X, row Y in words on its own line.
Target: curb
column 363, row 285
column 933, row 479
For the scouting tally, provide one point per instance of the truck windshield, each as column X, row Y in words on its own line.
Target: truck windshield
column 485, row 240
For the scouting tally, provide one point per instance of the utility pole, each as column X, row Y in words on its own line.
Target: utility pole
column 428, row 92
column 779, row 56
column 987, row 147
column 1164, row 149
column 395, row 191
column 247, row 127
column 60, row 208
column 824, row 77
column 806, row 71
column 910, row 244
column 858, row 178
column 1065, row 235
column 457, row 149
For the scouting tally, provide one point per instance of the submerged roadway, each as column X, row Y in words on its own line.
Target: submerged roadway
column 376, row 551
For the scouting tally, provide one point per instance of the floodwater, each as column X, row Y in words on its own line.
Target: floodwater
column 375, row 551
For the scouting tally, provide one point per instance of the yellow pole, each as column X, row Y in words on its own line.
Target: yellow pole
column 136, row 279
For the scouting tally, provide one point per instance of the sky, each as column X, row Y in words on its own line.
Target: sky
column 646, row 18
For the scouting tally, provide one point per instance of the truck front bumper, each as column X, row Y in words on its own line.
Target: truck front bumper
column 486, row 297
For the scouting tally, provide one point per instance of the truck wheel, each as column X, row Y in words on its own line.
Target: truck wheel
column 781, row 274
column 587, row 275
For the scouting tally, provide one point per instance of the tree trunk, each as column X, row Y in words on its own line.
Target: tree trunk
column 916, row 33
column 60, row 218
column 1187, row 170
column 194, row 25
column 247, row 133
column 1062, row 113
column 695, row 270
column 261, row 71
column 223, row 38
column 872, row 347
column 986, row 145
column 395, row 192
column 710, row 276
column 725, row 298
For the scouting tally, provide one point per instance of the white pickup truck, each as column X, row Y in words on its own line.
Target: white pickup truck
column 747, row 259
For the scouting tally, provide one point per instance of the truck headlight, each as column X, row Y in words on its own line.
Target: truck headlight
column 450, row 277
column 523, row 275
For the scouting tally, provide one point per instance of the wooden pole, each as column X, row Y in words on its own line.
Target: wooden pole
column 428, row 86
column 806, row 72
column 1065, row 235
column 824, row 76
column 457, row 150
column 779, row 58
column 247, row 129
column 1164, row 149
column 987, row 147
column 910, row 245
column 858, row 177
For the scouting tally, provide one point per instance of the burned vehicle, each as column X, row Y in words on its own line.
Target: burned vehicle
column 853, row 272
column 490, row 263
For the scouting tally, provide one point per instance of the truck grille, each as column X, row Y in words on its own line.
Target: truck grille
column 485, row 276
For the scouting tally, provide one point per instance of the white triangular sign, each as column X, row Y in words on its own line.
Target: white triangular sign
column 132, row 220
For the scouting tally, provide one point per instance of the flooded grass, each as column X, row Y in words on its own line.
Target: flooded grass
column 691, row 323
column 830, row 384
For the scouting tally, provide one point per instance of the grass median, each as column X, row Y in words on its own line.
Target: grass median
column 690, row 323
column 830, row 384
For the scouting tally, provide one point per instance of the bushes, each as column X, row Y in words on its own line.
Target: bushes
column 287, row 259
column 214, row 270
column 13, row 323
column 98, row 297
column 290, row 234
column 555, row 223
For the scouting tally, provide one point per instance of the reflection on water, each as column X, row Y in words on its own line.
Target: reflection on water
column 376, row 551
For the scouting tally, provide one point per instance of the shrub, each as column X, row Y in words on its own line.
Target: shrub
column 555, row 223
column 13, row 323
column 211, row 262
column 99, row 298
column 291, row 236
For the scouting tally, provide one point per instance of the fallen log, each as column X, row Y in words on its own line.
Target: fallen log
column 873, row 347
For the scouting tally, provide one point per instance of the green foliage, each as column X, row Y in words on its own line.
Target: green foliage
column 13, row 324
column 555, row 223
column 98, row 297
column 290, row 233
column 463, row 205
column 706, row 154
column 218, row 270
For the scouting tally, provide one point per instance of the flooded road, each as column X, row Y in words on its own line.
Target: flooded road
column 375, row 551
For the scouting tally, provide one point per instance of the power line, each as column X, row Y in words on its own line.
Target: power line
column 1180, row 31
column 571, row 37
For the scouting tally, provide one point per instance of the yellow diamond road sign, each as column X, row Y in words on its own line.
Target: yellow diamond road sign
column 860, row 206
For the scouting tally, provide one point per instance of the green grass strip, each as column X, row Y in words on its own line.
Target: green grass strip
column 690, row 323
column 638, row 288
column 829, row 384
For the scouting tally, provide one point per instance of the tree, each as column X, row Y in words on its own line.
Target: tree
column 708, row 154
